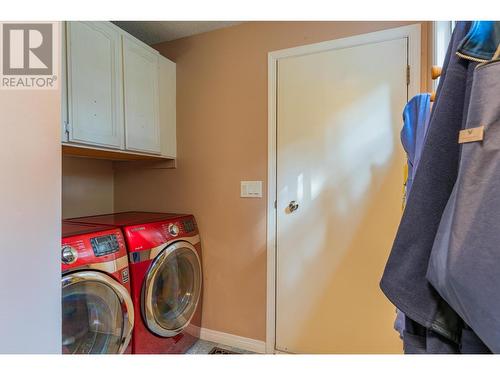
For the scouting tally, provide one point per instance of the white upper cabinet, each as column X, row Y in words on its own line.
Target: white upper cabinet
column 141, row 97
column 119, row 93
column 95, row 92
column 64, row 88
column 167, row 107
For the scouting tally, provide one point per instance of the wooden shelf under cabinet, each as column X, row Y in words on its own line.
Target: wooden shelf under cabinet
column 115, row 155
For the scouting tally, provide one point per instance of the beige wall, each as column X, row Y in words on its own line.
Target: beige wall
column 222, row 139
column 87, row 187
column 30, row 221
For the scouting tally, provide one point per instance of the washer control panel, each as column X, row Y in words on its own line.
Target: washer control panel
column 92, row 247
column 146, row 236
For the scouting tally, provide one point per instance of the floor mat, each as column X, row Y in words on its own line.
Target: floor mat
column 217, row 350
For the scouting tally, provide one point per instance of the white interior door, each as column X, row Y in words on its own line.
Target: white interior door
column 339, row 158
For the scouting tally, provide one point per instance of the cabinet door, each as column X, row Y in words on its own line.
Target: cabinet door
column 140, row 72
column 167, row 107
column 64, row 86
column 95, row 94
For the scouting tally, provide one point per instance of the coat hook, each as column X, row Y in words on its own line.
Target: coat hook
column 435, row 71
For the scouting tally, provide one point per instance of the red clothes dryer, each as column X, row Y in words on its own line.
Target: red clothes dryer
column 97, row 309
column 166, row 273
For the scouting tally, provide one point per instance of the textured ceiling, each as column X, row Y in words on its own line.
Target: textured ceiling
column 152, row 32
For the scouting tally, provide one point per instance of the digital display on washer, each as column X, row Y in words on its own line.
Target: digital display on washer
column 104, row 245
column 189, row 226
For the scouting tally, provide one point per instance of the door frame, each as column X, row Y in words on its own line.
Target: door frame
column 413, row 33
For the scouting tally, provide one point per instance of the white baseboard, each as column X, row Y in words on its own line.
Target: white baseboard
column 239, row 342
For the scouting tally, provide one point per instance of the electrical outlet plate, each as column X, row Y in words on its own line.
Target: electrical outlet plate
column 251, row 189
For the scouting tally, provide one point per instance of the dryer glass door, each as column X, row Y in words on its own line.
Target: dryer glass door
column 97, row 314
column 172, row 289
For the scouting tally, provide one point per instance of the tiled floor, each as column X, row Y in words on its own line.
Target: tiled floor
column 204, row 347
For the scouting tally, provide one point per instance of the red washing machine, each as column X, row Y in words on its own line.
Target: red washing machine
column 166, row 273
column 97, row 309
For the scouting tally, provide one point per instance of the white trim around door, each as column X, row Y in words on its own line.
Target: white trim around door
column 412, row 32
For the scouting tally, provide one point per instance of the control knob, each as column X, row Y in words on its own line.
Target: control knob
column 68, row 255
column 173, row 229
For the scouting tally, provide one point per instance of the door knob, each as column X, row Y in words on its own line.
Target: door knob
column 293, row 206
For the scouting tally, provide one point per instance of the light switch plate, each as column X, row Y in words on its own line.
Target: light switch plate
column 251, row 189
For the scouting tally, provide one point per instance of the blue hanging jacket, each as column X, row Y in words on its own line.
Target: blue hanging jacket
column 416, row 120
column 416, row 116
column 481, row 41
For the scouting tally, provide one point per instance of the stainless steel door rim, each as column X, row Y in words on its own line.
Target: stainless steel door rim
column 121, row 293
column 148, row 306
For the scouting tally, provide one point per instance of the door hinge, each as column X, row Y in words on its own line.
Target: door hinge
column 275, row 204
column 407, row 75
column 66, row 127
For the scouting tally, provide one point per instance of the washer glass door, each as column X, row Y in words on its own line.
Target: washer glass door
column 172, row 289
column 96, row 314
